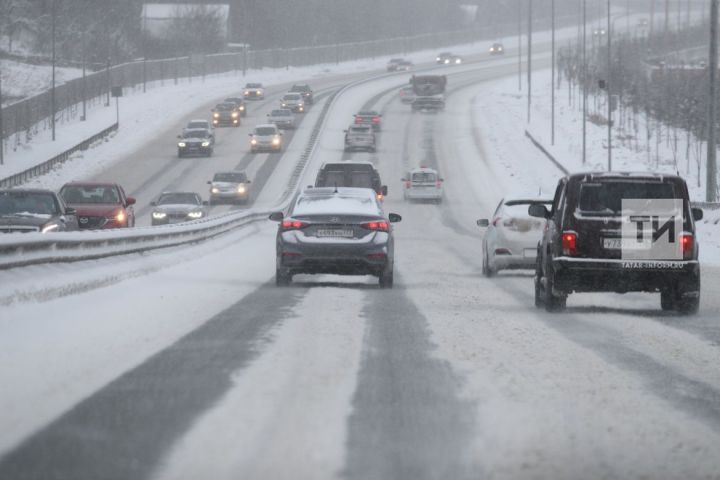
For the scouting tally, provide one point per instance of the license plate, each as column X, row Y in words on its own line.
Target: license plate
column 612, row 243
column 629, row 244
column 529, row 253
column 334, row 233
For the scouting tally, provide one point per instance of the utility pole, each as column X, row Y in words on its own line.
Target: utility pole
column 667, row 17
column 608, row 84
column 529, row 58
column 52, row 90
column 2, row 137
column 519, row 45
column 84, row 82
column 584, row 81
column 552, row 86
column 652, row 18
column 711, row 181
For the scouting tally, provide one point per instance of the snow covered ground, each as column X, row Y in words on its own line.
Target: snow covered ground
column 22, row 80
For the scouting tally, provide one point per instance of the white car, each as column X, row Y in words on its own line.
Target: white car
column 266, row 137
column 512, row 235
column 294, row 102
column 254, row 91
column 282, row 117
column 423, row 184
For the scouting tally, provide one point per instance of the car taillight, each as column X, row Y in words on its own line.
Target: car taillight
column 377, row 256
column 381, row 226
column 569, row 243
column 293, row 225
column 408, row 184
column 358, row 120
column 376, row 120
column 687, row 242
column 438, row 184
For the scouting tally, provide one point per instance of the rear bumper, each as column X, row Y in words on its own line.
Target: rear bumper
column 591, row 275
column 372, row 260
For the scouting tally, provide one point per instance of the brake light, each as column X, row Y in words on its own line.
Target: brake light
column 438, row 184
column 687, row 243
column 293, row 225
column 358, row 120
column 377, row 256
column 380, row 226
column 376, row 120
column 408, row 184
column 569, row 243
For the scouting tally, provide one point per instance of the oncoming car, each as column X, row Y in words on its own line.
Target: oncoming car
column 266, row 138
column 226, row 114
column 335, row 231
column 497, row 49
column 33, row 210
column 177, row 207
column 239, row 104
column 99, row 205
column 304, row 90
column 447, row 58
column 423, row 184
column 294, row 102
column 196, row 141
column 229, row 186
column 254, row 91
column 510, row 241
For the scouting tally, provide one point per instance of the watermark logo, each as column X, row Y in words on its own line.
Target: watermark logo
column 651, row 229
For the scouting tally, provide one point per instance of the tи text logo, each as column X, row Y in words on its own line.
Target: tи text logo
column 651, row 229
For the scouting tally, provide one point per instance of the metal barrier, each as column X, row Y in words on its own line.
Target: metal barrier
column 45, row 167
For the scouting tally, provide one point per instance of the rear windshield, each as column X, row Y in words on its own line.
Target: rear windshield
column 605, row 198
column 179, row 199
column 265, row 131
column 423, row 177
column 230, row 177
column 27, row 204
column 336, row 204
column 90, row 194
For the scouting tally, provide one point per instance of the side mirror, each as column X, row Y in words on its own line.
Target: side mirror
column 384, row 190
column 538, row 210
column 70, row 211
column 250, row 134
column 697, row 213
column 130, row 201
column 483, row 223
column 179, row 136
column 248, row 181
column 403, row 180
column 209, row 182
column 442, row 179
column 276, row 216
column 394, row 218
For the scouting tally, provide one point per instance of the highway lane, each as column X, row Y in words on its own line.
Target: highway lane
column 449, row 375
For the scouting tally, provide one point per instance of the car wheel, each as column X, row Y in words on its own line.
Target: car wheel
column 667, row 300
column 386, row 279
column 282, row 277
column 552, row 302
column 487, row 270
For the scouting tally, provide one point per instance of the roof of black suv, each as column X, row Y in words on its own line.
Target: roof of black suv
column 624, row 176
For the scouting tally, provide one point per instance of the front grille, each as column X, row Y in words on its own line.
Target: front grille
column 91, row 222
column 177, row 216
column 18, row 229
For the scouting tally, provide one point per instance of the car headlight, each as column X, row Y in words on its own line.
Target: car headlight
column 241, row 189
column 195, row 214
column 216, row 115
column 234, row 114
column 276, row 141
column 447, row 60
column 253, row 141
column 120, row 217
column 283, row 104
column 159, row 215
column 181, row 144
column 215, row 190
column 242, row 108
column 50, row 228
column 206, row 144
column 247, row 92
column 437, row 59
column 457, row 60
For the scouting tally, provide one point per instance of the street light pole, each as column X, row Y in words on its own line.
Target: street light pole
column 552, row 86
column 711, row 170
column 529, row 58
column 608, row 84
column 52, row 90
column 2, row 137
column 519, row 45
column 584, row 81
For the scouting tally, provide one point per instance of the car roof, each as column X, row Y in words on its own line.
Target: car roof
column 352, row 162
column 199, row 120
column 591, row 176
column 367, row 112
column 285, row 111
column 339, row 201
column 90, row 184
column 423, row 169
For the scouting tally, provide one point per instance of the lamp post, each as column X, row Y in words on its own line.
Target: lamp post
column 608, row 85
column 711, row 170
column 529, row 58
column 52, row 90
column 552, row 86
column 2, row 138
column 584, row 81
column 519, row 44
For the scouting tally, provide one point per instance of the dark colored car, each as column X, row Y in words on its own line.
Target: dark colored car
column 335, row 231
column 369, row 117
column 393, row 63
column 34, row 210
column 447, row 58
column 226, row 114
column 305, row 90
column 177, row 207
column 229, row 186
column 351, row 174
column 239, row 103
column 99, row 205
column 195, row 141
column 497, row 49
column 619, row 232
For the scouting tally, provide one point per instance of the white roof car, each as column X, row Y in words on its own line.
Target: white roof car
column 423, row 183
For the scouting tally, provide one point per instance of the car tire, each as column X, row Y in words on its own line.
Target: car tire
column 539, row 298
column 552, row 302
column 487, row 270
column 283, row 278
column 667, row 300
column 386, row 278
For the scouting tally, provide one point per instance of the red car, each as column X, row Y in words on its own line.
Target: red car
column 99, row 205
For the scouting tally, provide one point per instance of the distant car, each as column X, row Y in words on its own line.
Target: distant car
column 423, row 183
column 393, row 64
column 226, row 114
column 305, row 90
column 619, row 232
column 254, row 91
column 283, row 118
column 239, row 103
column 196, row 141
column 99, row 205
column 428, row 104
column 294, row 102
column 177, row 207
column 404, row 66
column 335, row 231
column 360, row 137
column 266, row 137
column 351, row 174
column 32, row 210
column 497, row 49
column 598, row 32
column 511, row 238
column 407, row 94
column 369, row 117
column 447, row 58
column 229, row 186
column 643, row 22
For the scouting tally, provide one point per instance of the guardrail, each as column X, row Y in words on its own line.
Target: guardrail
column 46, row 166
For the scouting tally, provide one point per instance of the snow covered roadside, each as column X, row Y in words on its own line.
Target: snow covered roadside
column 22, row 80
column 502, row 120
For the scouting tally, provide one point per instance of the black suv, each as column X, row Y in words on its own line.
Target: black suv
column 619, row 232
column 306, row 91
column 351, row 174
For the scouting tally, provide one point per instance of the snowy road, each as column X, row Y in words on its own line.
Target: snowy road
column 190, row 364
